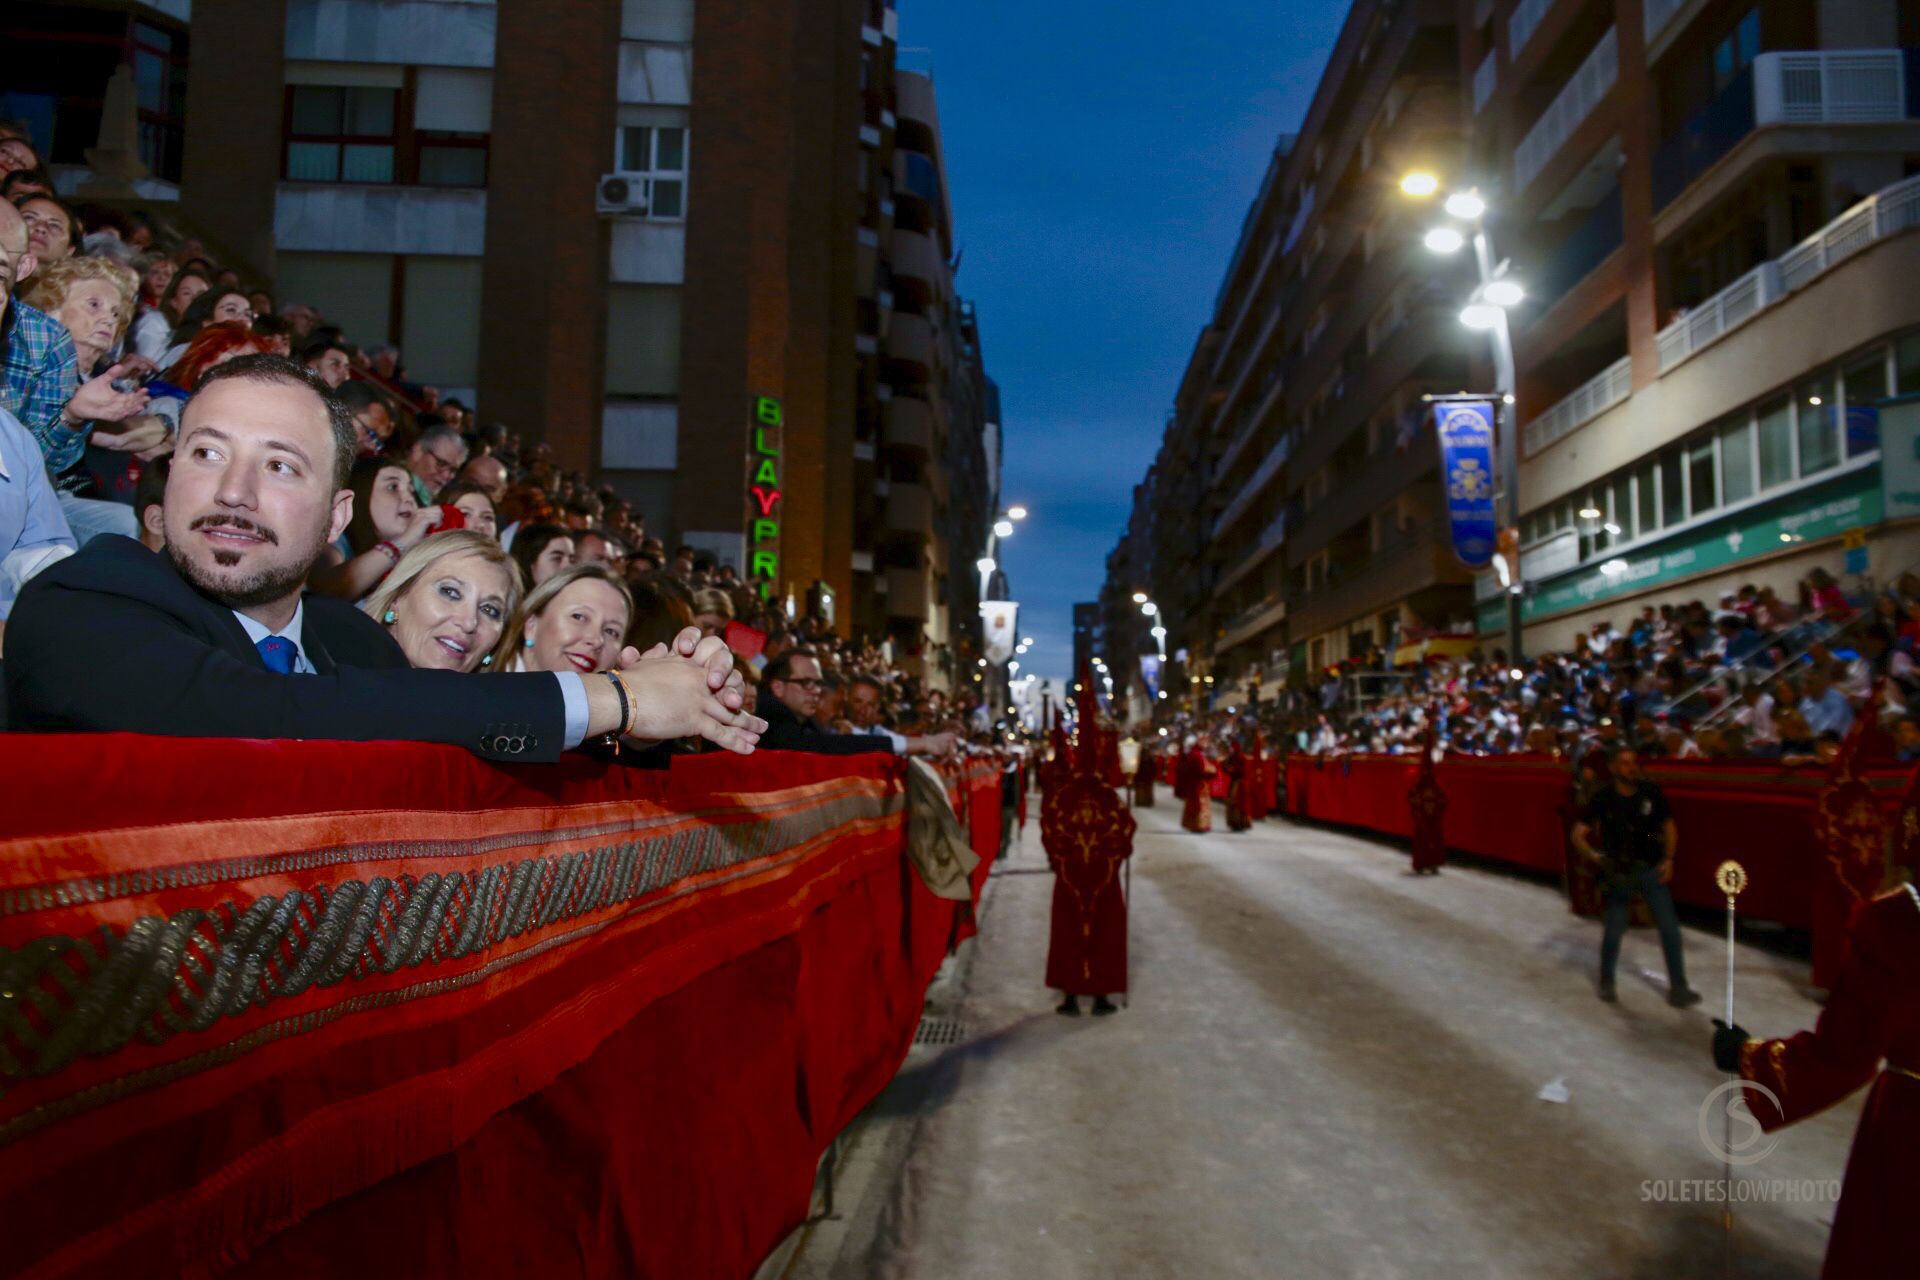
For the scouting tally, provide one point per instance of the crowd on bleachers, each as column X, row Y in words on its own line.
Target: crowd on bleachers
column 114, row 319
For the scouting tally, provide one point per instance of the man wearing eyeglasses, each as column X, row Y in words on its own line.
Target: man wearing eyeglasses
column 790, row 688
column 434, row 460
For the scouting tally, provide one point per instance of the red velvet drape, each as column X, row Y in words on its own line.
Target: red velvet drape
column 641, row 1086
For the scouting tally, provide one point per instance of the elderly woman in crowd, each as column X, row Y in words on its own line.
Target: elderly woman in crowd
column 386, row 525
column 448, row 601
column 574, row 621
column 541, row 551
column 152, row 334
column 53, row 229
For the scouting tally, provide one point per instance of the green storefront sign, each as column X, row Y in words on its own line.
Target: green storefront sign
column 1822, row 511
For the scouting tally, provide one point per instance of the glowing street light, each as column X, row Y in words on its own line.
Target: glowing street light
column 1503, row 293
column 1003, row 528
column 1139, row 597
column 1466, row 206
column 1420, row 184
column 1017, row 513
column 1150, row 609
column 1445, row 240
column 1480, row 315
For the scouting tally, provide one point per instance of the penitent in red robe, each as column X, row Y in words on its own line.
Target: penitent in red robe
column 1088, row 834
column 1143, row 781
column 1239, row 791
column 1873, row 1013
column 1197, row 774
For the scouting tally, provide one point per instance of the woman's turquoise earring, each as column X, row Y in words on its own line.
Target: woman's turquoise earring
column 487, row 661
column 388, row 619
column 527, row 644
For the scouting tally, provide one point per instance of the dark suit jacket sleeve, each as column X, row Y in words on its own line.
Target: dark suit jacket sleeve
column 785, row 732
column 88, row 660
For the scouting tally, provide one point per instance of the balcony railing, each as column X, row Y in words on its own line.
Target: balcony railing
column 1888, row 212
column 1707, row 323
column 1244, row 497
column 1830, row 86
column 1588, row 401
column 1526, row 19
column 1250, row 622
column 1573, row 105
column 1270, row 539
column 1486, row 78
column 1834, row 86
column 1659, row 13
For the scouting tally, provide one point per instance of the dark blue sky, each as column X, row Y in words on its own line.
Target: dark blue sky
column 1101, row 154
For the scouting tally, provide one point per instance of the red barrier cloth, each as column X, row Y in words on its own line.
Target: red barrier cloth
column 1516, row 808
column 320, row 1008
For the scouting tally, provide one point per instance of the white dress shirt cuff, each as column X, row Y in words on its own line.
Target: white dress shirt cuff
column 898, row 741
column 573, row 691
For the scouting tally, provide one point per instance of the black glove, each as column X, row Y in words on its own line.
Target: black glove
column 1727, row 1043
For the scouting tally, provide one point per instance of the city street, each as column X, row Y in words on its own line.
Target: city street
column 1329, row 1068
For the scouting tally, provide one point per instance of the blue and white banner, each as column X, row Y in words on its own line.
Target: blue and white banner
column 1466, row 468
column 1150, row 673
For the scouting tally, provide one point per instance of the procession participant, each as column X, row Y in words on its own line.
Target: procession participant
column 1628, row 830
column 1198, row 772
column 1238, row 783
column 1872, row 1014
column 1088, row 835
column 1143, row 779
column 1259, row 781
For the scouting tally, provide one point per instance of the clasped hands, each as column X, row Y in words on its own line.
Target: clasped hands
column 688, row 688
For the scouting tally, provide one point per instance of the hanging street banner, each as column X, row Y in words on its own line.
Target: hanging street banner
column 999, row 627
column 1150, row 673
column 763, row 499
column 1466, row 468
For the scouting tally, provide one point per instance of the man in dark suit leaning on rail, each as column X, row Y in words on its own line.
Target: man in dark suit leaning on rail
column 215, row 637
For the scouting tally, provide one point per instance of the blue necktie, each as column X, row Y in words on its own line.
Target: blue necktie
column 278, row 653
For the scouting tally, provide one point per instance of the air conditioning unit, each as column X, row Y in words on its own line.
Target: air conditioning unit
column 621, row 193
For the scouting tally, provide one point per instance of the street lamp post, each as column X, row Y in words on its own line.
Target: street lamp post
column 1486, row 310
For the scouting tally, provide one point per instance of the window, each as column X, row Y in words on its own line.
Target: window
column 1817, row 425
column 1621, row 505
column 660, row 153
column 339, row 134
column 1646, row 499
column 1865, row 384
column 1906, row 360
column 1775, row 427
column 1736, row 459
column 1737, row 51
column 453, row 159
column 1703, row 488
column 1673, row 488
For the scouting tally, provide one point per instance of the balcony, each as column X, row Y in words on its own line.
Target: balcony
column 1820, row 87
column 1888, row 212
column 914, row 258
column 908, row 594
column 1524, row 21
column 1588, row 401
column 1584, row 248
column 915, row 176
column 1250, row 623
column 1584, row 92
column 1269, row 540
column 909, row 510
column 1392, row 573
column 916, row 100
column 910, row 341
column 909, row 425
column 1255, row 484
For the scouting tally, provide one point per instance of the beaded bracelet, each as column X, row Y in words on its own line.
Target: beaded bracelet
column 393, row 552
column 626, row 704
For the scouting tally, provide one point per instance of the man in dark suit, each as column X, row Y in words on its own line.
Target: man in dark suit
column 216, row 637
column 789, row 698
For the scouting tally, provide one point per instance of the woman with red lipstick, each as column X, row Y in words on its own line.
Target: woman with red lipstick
column 448, row 601
column 574, row 621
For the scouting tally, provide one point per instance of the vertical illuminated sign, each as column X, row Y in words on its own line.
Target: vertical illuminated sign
column 763, row 496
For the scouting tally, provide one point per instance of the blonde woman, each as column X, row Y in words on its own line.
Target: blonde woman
column 574, row 621
column 448, row 600
column 712, row 611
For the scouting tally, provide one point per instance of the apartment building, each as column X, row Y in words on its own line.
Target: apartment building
column 1713, row 205
column 690, row 285
column 1296, row 506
